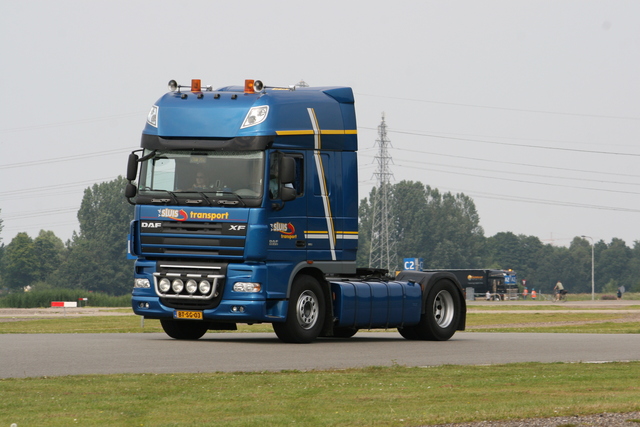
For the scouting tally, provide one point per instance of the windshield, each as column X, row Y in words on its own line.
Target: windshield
column 208, row 173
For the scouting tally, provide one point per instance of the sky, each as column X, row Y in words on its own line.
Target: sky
column 531, row 108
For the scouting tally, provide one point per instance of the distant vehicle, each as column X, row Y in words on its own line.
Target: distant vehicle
column 501, row 284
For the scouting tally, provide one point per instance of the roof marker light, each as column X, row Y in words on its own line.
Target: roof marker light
column 249, row 86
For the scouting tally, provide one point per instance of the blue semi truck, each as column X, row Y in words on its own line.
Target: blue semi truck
column 246, row 211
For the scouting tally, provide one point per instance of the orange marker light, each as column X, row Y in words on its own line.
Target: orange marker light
column 195, row 85
column 248, row 86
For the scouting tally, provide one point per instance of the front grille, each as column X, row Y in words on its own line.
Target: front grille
column 204, row 239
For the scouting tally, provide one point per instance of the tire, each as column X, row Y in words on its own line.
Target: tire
column 442, row 314
column 305, row 314
column 345, row 332
column 409, row 332
column 184, row 329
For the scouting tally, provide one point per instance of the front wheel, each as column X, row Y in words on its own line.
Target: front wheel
column 443, row 309
column 184, row 329
column 305, row 315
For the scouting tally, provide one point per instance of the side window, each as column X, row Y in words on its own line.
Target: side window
column 298, row 184
column 274, row 166
column 274, row 174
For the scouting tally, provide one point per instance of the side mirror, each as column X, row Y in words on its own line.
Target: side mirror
column 287, row 170
column 287, row 194
column 132, row 167
column 130, row 191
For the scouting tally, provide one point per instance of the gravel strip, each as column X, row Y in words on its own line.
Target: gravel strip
column 629, row 419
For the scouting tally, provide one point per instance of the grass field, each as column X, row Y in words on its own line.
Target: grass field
column 493, row 318
column 380, row 396
column 394, row 396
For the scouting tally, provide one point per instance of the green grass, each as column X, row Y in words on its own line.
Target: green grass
column 43, row 298
column 95, row 325
column 546, row 307
column 497, row 321
column 579, row 322
column 380, row 396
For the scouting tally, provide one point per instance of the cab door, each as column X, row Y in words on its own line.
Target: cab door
column 287, row 221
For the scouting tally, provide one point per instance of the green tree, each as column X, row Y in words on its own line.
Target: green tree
column 49, row 252
column 443, row 229
column 97, row 259
column 18, row 262
column 612, row 263
column 633, row 282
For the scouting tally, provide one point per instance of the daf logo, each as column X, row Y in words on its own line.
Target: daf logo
column 151, row 224
column 237, row 227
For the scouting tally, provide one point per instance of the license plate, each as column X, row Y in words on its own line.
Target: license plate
column 190, row 315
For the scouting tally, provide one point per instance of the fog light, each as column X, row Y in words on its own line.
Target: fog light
column 246, row 287
column 177, row 286
column 204, row 287
column 164, row 285
column 191, row 286
column 143, row 305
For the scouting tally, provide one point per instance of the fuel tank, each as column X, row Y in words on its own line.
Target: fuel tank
column 367, row 305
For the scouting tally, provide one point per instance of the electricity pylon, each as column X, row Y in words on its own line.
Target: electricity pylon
column 382, row 253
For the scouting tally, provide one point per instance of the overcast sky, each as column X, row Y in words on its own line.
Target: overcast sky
column 532, row 108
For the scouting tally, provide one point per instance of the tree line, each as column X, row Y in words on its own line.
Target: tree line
column 94, row 259
column 442, row 228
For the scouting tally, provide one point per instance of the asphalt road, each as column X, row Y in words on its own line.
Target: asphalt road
column 34, row 355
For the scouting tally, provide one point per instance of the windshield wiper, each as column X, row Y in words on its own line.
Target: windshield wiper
column 173, row 198
column 229, row 202
column 204, row 196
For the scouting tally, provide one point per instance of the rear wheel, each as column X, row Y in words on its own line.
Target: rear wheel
column 184, row 329
column 409, row 332
column 442, row 314
column 305, row 315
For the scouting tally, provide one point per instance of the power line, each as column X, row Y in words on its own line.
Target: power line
column 527, row 182
column 64, row 159
column 547, row 202
column 39, row 213
column 71, row 122
column 477, row 159
column 575, row 150
column 46, row 188
column 466, row 168
column 490, row 107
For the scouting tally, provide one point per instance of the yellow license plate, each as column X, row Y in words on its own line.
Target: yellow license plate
column 191, row 315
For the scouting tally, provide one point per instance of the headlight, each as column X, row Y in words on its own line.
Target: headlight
column 177, row 286
column 191, row 286
column 141, row 283
column 164, row 285
column 152, row 117
column 246, row 287
column 255, row 116
column 204, row 287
